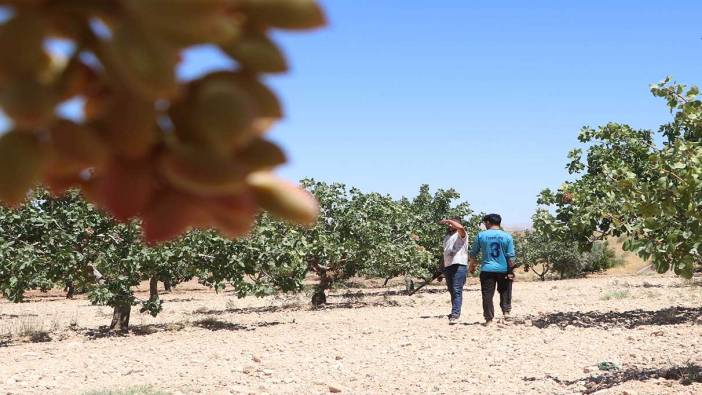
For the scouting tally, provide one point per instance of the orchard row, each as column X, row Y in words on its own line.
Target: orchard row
column 65, row 241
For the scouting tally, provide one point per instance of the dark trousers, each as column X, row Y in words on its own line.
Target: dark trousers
column 455, row 276
column 488, row 281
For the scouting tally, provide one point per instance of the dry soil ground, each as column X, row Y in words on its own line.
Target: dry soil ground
column 368, row 340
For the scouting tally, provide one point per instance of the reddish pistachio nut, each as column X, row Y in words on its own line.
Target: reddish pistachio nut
column 143, row 62
column 217, row 113
column 267, row 104
column 125, row 188
column 129, row 127
column 21, row 43
column 75, row 147
column 28, row 102
column 256, row 52
column 76, row 78
column 171, row 213
column 233, row 216
column 22, row 162
column 285, row 14
column 98, row 101
column 200, row 171
column 60, row 184
column 283, row 199
column 187, row 22
column 260, row 154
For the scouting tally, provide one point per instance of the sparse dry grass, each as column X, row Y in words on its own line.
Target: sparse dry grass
column 617, row 294
column 128, row 391
column 35, row 329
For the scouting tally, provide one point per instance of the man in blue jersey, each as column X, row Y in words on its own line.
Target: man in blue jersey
column 497, row 267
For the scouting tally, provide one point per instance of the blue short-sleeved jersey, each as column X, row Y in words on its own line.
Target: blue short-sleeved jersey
column 497, row 246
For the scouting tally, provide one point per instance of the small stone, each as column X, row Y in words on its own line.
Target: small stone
column 248, row 369
column 240, row 389
column 256, row 358
column 586, row 370
column 334, row 389
column 338, row 357
column 267, row 372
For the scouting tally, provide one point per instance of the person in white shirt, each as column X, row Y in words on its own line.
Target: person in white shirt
column 455, row 265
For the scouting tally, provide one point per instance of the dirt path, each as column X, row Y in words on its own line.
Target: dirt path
column 366, row 342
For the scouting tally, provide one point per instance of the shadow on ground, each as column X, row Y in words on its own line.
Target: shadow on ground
column 624, row 319
column 179, row 300
column 394, row 292
column 686, row 375
column 36, row 337
column 218, row 325
column 250, row 310
column 134, row 330
column 150, row 329
column 17, row 315
column 297, row 307
column 357, row 305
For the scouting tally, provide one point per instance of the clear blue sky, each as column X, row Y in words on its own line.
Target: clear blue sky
column 486, row 97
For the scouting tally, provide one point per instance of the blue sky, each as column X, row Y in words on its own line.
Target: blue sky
column 486, row 97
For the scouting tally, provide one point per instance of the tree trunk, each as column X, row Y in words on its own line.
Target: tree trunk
column 120, row 318
column 319, row 297
column 153, row 288
column 70, row 290
column 385, row 284
column 409, row 284
column 167, row 285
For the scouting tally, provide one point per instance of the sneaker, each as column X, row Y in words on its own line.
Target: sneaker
column 506, row 316
column 453, row 319
column 487, row 323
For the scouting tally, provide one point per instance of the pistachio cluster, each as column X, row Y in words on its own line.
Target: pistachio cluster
column 175, row 154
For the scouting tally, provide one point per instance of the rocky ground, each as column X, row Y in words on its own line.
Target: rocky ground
column 620, row 335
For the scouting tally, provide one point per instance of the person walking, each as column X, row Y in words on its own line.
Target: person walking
column 497, row 267
column 455, row 264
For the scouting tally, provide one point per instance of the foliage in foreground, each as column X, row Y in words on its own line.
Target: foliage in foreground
column 630, row 185
column 176, row 154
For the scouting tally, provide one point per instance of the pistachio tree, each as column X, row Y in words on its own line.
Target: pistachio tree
column 642, row 184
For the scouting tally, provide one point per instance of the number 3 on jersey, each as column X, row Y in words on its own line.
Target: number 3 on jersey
column 495, row 250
